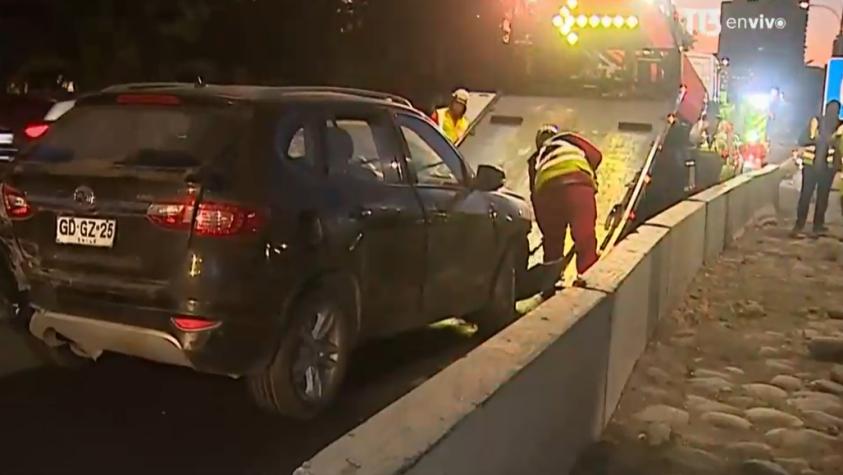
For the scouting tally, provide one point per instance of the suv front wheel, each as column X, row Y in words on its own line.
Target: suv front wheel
column 311, row 361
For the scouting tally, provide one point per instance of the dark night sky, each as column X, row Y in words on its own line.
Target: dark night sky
column 97, row 42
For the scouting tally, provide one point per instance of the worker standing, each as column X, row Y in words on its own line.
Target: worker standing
column 563, row 184
column 818, row 149
column 830, row 145
column 451, row 120
column 807, row 155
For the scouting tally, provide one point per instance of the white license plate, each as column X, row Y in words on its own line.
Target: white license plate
column 86, row 231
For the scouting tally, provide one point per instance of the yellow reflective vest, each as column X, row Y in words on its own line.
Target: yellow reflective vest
column 809, row 151
column 559, row 158
column 453, row 129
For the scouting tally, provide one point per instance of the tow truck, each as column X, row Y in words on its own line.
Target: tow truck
column 612, row 70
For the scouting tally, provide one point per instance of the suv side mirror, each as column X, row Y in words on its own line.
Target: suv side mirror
column 489, row 178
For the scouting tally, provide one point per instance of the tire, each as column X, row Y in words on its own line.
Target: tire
column 8, row 302
column 500, row 310
column 308, row 369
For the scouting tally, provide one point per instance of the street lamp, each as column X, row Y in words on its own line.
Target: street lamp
column 805, row 5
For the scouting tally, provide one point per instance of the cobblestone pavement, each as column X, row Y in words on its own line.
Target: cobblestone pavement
column 746, row 376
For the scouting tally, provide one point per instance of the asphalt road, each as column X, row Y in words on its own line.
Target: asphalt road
column 124, row 416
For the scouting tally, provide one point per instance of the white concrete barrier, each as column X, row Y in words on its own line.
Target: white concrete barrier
column 529, row 399
column 631, row 277
column 542, row 379
column 685, row 247
column 715, row 201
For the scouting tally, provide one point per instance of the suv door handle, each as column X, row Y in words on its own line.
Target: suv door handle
column 380, row 213
column 439, row 216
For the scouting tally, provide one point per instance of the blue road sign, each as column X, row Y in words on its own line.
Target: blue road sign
column 833, row 83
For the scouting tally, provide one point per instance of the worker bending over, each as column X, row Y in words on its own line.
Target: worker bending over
column 563, row 184
column 451, row 120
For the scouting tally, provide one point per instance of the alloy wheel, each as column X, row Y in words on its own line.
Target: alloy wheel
column 317, row 355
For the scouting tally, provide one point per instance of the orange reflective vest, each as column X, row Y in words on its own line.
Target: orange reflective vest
column 559, row 158
column 453, row 129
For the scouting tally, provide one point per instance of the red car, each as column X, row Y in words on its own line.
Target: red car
column 24, row 115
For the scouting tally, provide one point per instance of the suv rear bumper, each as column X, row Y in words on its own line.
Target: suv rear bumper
column 244, row 342
column 90, row 338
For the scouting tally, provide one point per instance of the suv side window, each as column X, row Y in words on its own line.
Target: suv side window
column 294, row 140
column 431, row 158
column 362, row 146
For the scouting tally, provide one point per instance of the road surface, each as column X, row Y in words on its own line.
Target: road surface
column 127, row 417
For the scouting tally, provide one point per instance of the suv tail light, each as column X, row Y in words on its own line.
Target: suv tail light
column 36, row 130
column 216, row 219
column 212, row 219
column 15, row 203
column 193, row 324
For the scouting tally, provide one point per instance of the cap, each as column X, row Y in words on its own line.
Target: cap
column 461, row 96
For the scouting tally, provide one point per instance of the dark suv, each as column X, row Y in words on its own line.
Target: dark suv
column 256, row 232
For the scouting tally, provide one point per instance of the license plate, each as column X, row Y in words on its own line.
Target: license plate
column 86, row 231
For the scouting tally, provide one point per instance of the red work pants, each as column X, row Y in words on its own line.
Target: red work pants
column 559, row 205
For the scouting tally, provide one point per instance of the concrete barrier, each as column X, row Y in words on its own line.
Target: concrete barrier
column 529, row 399
column 684, row 248
column 520, row 385
column 738, row 202
column 632, row 278
column 715, row 201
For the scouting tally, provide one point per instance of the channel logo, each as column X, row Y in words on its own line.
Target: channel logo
column 760, row 22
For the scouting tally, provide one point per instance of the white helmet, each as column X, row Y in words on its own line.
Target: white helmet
column 545, row 133
column 461, row 96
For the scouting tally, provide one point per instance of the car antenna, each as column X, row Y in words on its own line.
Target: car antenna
column 199, row 82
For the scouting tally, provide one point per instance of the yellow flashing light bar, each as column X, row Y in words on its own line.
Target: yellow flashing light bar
column 567, row 20
column 582, row 21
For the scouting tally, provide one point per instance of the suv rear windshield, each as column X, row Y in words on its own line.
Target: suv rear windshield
column 138, row 136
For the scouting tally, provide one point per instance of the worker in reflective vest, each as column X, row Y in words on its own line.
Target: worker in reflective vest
column 563, row 184
column 819, row 159
column 451, row 120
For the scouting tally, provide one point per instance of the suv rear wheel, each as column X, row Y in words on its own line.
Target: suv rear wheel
column 500, row 309
column 311, row 362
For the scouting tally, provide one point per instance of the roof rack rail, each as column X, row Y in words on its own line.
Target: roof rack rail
column 354, row 92
column 144, row 85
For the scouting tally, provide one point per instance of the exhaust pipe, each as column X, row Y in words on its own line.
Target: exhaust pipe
column 54, row 339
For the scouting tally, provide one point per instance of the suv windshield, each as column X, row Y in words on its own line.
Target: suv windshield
column 160, row 137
